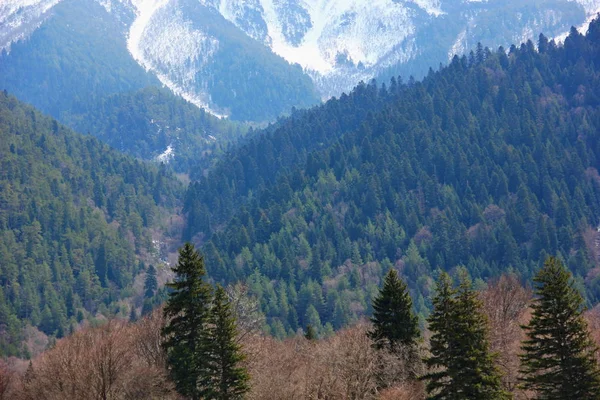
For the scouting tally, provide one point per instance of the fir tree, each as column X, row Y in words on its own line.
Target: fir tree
column 223, row 377
column 461, row 364
column 150, row 284
column 187, row 310
column 477, row 376
column 440, row 384
column 559, row 356
column 310, row 333
column 394, row 323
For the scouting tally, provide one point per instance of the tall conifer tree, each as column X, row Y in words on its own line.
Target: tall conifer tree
column 187, row 310
column 559, row 355
column 394, row 322
column 223, row 377
column 461, row 365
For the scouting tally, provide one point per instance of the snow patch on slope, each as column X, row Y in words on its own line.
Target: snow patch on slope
column 18, row 18
column 592, row 8
column 321, row 34
column 164, row 42
column 459, row 46
column 166, row 156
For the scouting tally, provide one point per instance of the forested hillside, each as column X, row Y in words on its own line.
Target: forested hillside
column 490, row 163
column 76, row 219
column 154, row 124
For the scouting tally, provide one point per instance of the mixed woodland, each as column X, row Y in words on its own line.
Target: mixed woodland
column 343, row 250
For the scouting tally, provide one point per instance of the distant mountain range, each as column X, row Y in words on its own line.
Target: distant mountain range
column 254, row 59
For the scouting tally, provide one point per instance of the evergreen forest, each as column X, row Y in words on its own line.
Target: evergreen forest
column 77, row 219
column 490, row 163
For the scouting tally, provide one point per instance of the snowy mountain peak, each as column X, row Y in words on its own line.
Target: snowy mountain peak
column 336, row 42
column 163, row 41
column 322, row 35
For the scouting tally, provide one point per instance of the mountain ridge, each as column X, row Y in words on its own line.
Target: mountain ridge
column 336, row 42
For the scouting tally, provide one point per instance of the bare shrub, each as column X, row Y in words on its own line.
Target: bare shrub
column 112, row 362
column 6, row 380
column 344, row 366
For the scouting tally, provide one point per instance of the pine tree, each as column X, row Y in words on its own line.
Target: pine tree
column 310, row 333
column 559, row 356
column 461, row 365
column 223, row 377
column 477, row 376
column 394, row 322
column 440, row 384
column 150, row 284
column 187, row 310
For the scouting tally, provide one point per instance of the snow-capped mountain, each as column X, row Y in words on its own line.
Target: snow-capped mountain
column 194, row 46
column 18, row 18
column 339, row 42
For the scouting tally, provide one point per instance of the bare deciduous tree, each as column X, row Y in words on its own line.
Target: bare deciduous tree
column 112, row 362
column 506, row 304
column 344, row 366
column 246, row 311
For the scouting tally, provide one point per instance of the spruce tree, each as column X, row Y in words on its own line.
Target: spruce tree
column 310, row 333
column 394, row 322
column 439, row 382
column 461, row 365
column 559, row 356
column 477, row 376
column 187, row 310
column 223, row 377
column 150, row 284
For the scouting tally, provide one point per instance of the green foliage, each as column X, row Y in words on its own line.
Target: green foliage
column 559, row 355
column 150, row 283
column 187, row 311
column 461, row 363
column 223, row 377
column 145, row 122
column 394, row 323
column 488, row 163
column 74, row 216
column 310, row 333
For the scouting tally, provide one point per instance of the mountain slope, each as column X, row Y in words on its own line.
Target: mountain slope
column 231, row 57
column 490, row 163
column 342, row 42
column 76, row 218
column 154, row 124
column 124, row 46
column 76, row 57
column 201, row 55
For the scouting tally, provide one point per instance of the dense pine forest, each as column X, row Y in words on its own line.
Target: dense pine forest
column 76, row 218
column 490, row 163
column 147, row 122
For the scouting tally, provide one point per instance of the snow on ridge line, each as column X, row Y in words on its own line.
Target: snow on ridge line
column 145, row 11
column 581, row 28
column 360, row 31
column 19, row 18
column 187, row 95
